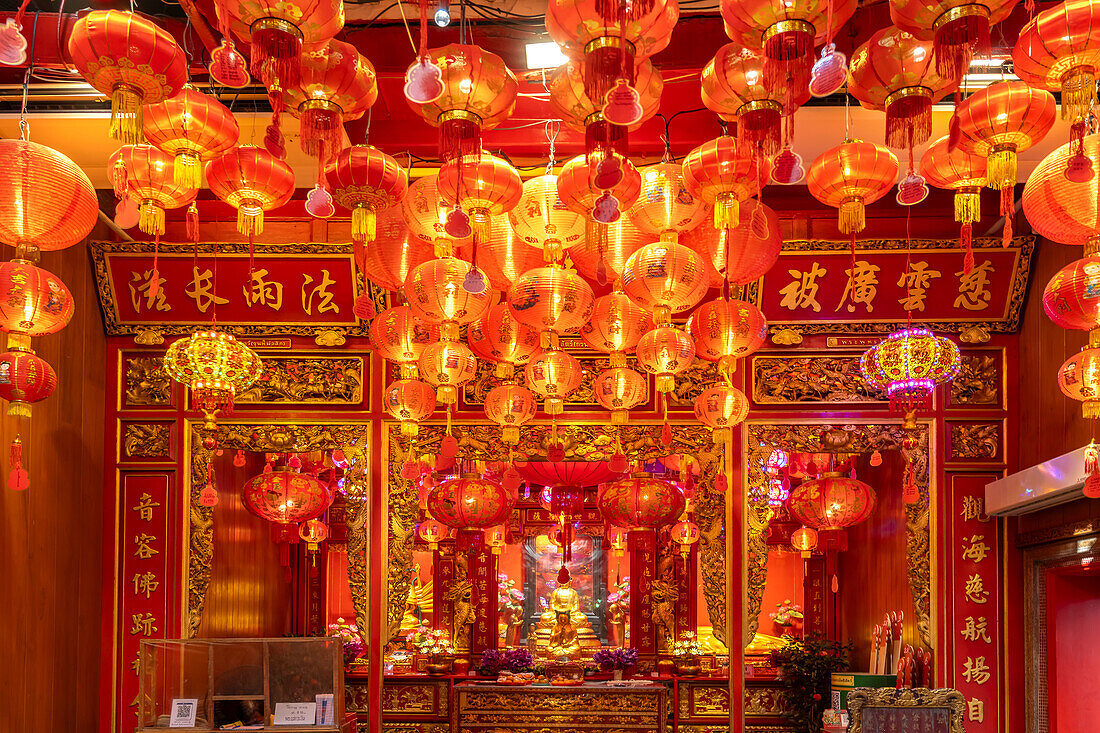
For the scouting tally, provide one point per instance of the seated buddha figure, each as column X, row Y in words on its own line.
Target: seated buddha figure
column 563, row 641
column 565, row 599
column 563, row 629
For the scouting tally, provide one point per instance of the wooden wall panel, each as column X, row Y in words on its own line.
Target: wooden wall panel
column 51, row 535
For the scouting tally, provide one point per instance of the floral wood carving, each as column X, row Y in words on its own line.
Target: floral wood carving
column 147, row 440
column 976, row 441
column 334, row 380
column 475, row 390
column 691, row 382
column 147, row 383
column 978, row 383
column 809, row 379
column 888, row 706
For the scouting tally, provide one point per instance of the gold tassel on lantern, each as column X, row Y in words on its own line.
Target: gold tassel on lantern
column 447, row 394
column 968, row 206
column 410, row 429
column 852, row 215
column 364, row 224
column 150, row 217
column 482, row 225
column 1090, row 409
column 1000, row 168
column 726, row 211
column 250, row 219
column 187, row 169
column 126, row 115
column 1078, row 92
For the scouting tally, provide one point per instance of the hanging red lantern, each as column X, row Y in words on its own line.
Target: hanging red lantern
column 285, row 496
column 833, row 501
column 432, row 532
column 601, row 258
column 504, row 258
column 313, row 532
column 193, row 128
column 1078, row 378
column 278, row 31
column 554, row 375
column 723, row 172
column 685, row 534
column 46, row 200
column 24, row 379
column 742, row 254
column 495, row 539
column 804, row 540
column 961, row 172
column 410, row 401
column 399, row 336
column 615, row 327
column 641, row 502
column 665, row 352
column 720, row 408
column 479, row 92
column 617, row 540
column 733, row 88
column 130, row 59
column 145, row 174
column 426, row 213
column 366, row 181
column 727, row 330
column 498, row 337
column 252, row 181
column 33, row 302
column 215, row 366
column 338, row 84
column 447, row 365
column 1062, row 210
column 958, row 31
column 395, row 251
column 849, row 177
column 1070, row 297
column 541, row 220
column 665, row 278
column 893, row 72
column 510, row 406
column 552, row 300
column 439, row 291
column 665, row 206
column 620, row 390
column 483, row 186
column 470, row 504
column 579, row 192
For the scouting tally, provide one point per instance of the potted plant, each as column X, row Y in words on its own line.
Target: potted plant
column 787, row 618
column 806, row 668
column 616, row 660
column 495, row 661
column 686, row 651
column 435, row 644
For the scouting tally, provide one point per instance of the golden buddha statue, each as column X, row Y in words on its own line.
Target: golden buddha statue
column 564, row 630
column 563, row 641
column 565, row 599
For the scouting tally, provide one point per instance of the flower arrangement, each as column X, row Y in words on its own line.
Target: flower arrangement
column 431, row 641
column 349, row 634
column 617, row 658
column 786, row 614
column 806, row 669
column 687, row 646
column 495, row 661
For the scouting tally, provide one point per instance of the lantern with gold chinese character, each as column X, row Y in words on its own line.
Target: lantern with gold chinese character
column 553, row 300
column 215, row 366
column 727, row 330
column 615, row 327
column 432, row 532
column 510, row 406
column 1062, row 210
column 744, row 253
column 399, row 336
column 666, row 207
column 193, row 128
column 1079, row 379
column 959, row 31
column 483, row 186
column 252, row 181
column 498, row 337
column 554, row 374
column 479, row 92
column 685, row 533
column 908, row 364
column 665, row 352
column 338, row 84
column 720, row 408
column 620, row 390
column 46, row 200
column 439, row 291
column 804, row 540
column 24, row 379
column 963, row 173
column 410, row 401
column 33, row 303
column 833, row 501
column 665, row 278
column 601, row 258
column 541, row 220
column 313, row 532
column 850, row 176
column 1069, row 298
column 617, row 539
column 641, row 502
column 470, row 504
column 723, row 172
column 285, row 495
column 447, row 365
column 130, row 59
column 144, row 173
column 368, row 182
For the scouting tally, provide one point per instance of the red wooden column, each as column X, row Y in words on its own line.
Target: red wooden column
column 736, row 539
column 378, row 528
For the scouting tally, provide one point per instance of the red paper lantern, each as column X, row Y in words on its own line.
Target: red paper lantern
column 958, row 31
column 368, row 182
column 849, row 177
column 399, row 336
column 483, row 186
column 552, row 300
column 425, row 212
column 510, row 406
column 1078, row 378
column 498, row 337
column 620, row 390
column 130, row 59
column 432, row 532
column 641, row 502
column 33, row 303
column 470, row 503
column 193, row 128
column 602, row 256
column 252, row 181
column 479, row 92
column 278, row 31
column 893, row 72
column 554, row 375
column 733, row 88
column 720, row 408
column 1059, row 51
column 958, row 171
column 665, row 278
column 24, row 379
column 723, row 172
column 145, row 174
column 410, row 401
column 804, row 540
column 578, row 191
column 685, row 534
column 46, row 200
column 1072, row 297
column 338, row 84
column 285, row 496
column 665, row 206
column 313, row 532
column 740, row 254
column 439, row 291
column 727, row 330
column 615, row 327
column 395, row 251
column 504, row 258
column 447, row 365
column 833, row 501
column 540, row 219
column 1060, row 209
column 665, row 352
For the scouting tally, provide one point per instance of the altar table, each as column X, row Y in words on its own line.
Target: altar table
column 591, row 707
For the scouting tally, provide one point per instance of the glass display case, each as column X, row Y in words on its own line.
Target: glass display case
column 241, row 684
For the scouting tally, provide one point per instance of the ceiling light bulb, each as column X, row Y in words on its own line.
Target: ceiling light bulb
column 443, row 13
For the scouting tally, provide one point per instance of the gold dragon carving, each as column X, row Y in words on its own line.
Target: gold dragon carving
column 147, row 382
column 978, row 383
column 951, row 702
column 147, row 440
column 333, row 380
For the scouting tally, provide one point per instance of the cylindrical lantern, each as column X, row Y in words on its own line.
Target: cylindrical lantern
column 510, row 406
column 541, row 220
column 193, row 128
column 833, row 501
column 426, row 212
column 439, row 291
column 366, row 181
column 145, row 174
column 554, row 375
column 498, row 337
column 24, row 379
column 665, row 352
column 252, row 181
column 641, row 502
column 447, row 365
column 727, row 330
column 504, row 258
column 849, row 177
column 720, row 408
column 410, row 401
column 35, row 303
column 620, row 390
column 46, row 200
column 553, row 300
column 395, row 251
column 398, row 335
column 685, row 534
column 313, row 532
column 666, row 207
column 665, row 278
column 432, row 532
column 285, row 496
column 615, row 327
column 1079, row 379
column 601, row 257
column 744, row 253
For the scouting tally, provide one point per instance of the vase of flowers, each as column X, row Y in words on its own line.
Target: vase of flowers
column 685, row 652
column 787, row 618
column 616, row 660
column 352, row 640
column 495, row 661
column 435, row 644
